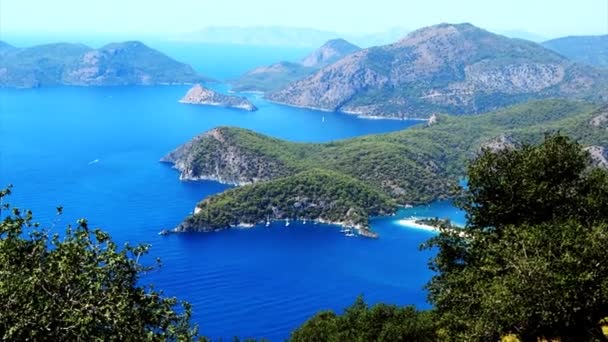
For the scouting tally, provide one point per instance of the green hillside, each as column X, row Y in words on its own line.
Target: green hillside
column 416, row 165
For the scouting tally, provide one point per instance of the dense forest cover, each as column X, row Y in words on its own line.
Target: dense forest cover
column 531, row 264
column 416, row 165
column 309, row 195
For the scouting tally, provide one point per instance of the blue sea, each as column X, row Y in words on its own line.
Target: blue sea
column 96, row 151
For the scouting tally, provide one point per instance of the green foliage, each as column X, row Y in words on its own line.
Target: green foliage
column 534, row 184
column 533, row 259
column 79, row 286
column 314, row 194
column 360, row 323
column 438, row 223
column 416, row 165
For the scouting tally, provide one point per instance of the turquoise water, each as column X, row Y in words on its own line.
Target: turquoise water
column 95, row 151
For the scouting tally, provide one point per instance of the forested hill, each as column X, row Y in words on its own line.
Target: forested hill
column 449, row 68
column 415, row 165
column 125, row 63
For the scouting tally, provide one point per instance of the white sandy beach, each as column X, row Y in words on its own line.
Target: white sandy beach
column 411, row 223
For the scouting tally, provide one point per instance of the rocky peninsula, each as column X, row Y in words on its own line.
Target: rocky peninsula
column 200, row 95
column 346, row 182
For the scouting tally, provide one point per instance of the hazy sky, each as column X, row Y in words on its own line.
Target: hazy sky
column 544, row 17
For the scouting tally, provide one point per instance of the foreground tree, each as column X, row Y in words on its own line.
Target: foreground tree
column 533, row 259
column 78, row 287
column 360, row 323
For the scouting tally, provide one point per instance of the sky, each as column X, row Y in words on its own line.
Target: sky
column 549, row 18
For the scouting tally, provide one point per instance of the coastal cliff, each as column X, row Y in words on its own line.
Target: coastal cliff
column 228, row 156
column 200, row 95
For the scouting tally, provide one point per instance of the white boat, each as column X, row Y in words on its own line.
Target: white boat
column 287, row 223
column 349, row 232
column 304, row 222
column 323, row 118
column 267, row 223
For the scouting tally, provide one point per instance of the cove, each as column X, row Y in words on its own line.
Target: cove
column 96, row 151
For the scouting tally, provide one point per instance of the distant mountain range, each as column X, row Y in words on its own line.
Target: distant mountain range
column 127, row 63
column 284, row 36
column 450, row 68
column 592, row 50
column 521, row 34
column 308, row 37
column 278, row 75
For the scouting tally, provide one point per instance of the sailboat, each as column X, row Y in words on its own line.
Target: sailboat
column 267, row 222
column 287, row 223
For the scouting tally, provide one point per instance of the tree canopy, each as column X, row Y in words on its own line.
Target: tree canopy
column 361, row 323
column 532, row 260
column 531, row 264
column 78, row 286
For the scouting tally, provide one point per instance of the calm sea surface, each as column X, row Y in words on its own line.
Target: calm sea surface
column 95, row 151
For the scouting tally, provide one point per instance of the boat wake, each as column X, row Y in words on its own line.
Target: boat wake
column 93, row 162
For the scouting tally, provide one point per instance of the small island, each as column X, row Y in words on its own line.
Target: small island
column 200, row 95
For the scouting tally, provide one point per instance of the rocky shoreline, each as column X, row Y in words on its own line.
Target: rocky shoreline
column 212, row 178
column 360, row 230
column 359, row 115
column 199, row 95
